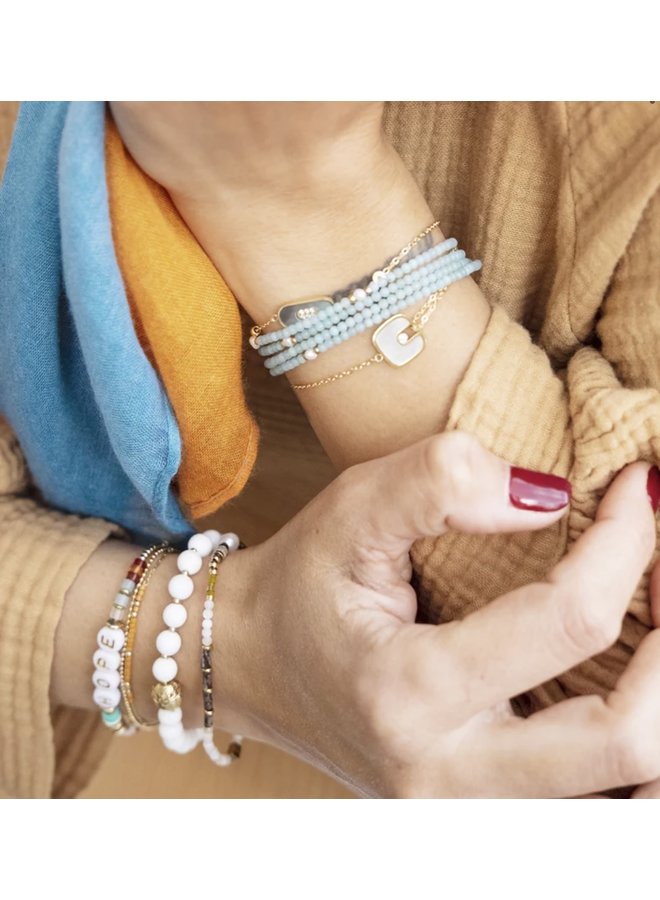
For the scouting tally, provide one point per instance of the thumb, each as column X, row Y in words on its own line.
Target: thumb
column 448, row 482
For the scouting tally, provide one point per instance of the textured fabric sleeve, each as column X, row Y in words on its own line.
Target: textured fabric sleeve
column 585, row 422
column 43, row 752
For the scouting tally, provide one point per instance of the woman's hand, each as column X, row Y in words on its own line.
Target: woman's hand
column 322, row 656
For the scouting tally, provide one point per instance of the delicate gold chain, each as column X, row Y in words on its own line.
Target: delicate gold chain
column 376, row 358
column 256, row 330
column 406, row 250
column 425, row 311
column 417, row 323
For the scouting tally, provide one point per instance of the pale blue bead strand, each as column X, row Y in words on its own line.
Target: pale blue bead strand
column 347, row 329
column 364, row 323
column 346, row 308
column 361, row 326
column 384, row 280
column 426, row 285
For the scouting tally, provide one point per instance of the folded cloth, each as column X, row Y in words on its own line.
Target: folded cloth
column 189, row 325
column 92, row 417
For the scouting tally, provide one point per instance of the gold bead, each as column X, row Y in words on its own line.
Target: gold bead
column 167, row 696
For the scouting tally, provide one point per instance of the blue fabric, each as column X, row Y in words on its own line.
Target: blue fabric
column 90, row 413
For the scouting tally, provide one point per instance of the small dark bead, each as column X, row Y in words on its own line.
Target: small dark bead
column 206, row 659
column 234, row 750
column 208, row 703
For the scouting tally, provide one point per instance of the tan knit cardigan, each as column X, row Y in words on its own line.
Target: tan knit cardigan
column 561, row 201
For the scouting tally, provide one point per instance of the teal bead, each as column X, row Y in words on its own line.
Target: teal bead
column 111, row 716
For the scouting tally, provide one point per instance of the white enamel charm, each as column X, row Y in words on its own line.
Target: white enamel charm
column 394, row 343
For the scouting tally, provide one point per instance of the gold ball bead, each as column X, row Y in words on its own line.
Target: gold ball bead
column 167, row 696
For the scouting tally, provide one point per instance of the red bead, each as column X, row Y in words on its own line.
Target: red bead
column 137, row 568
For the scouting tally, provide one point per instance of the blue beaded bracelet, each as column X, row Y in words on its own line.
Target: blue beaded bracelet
column 382, row 297
column 305, row 352
column 379, row 281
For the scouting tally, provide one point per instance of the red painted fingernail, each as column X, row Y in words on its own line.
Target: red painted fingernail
column 653, row 487
column 538, row 491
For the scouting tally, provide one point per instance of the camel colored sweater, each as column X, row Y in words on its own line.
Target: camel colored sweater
column 562, row 204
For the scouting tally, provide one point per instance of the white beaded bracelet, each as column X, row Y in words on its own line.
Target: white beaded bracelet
column 166, row 692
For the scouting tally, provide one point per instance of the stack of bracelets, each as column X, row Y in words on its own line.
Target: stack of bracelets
column 420, row 272
column 114, row 655
column 308, row 328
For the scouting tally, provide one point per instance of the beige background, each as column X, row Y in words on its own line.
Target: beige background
column 291, row 468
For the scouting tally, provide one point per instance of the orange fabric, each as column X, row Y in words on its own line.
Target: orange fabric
column 189, row 325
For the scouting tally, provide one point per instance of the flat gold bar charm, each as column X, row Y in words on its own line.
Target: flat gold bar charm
column 302, row 309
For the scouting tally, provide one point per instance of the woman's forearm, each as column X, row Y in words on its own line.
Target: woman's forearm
column 274, row 248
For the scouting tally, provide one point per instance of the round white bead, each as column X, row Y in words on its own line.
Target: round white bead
column 214, row 536
column 310, row 354
column 105, row 678
column 170, row 716
column 180, row 586
column 177, row 739
column 106, row 659
column 231, row 540
column 110, row 638
column 164, row 670
column 201, row 544
column 172, row 734
column 168, row 643
column 189, row 561
column 174, row 615
column 209, row 604
column 107, row 698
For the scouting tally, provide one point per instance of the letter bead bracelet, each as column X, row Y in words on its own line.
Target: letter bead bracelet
column 311, row 327
column 111, row 639
column 113, row 657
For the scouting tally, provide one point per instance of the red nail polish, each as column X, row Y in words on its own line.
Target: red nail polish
column 653, row 487
column 539, row 491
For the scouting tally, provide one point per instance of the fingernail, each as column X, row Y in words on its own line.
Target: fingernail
column 653, row 487
column 538, row 491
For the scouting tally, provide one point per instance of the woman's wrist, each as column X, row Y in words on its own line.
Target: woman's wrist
column 236, row 148
column 273, row 246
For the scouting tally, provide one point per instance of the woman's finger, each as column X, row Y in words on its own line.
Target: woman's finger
column 448, row 481
column 584, row 745
column 537, row 632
